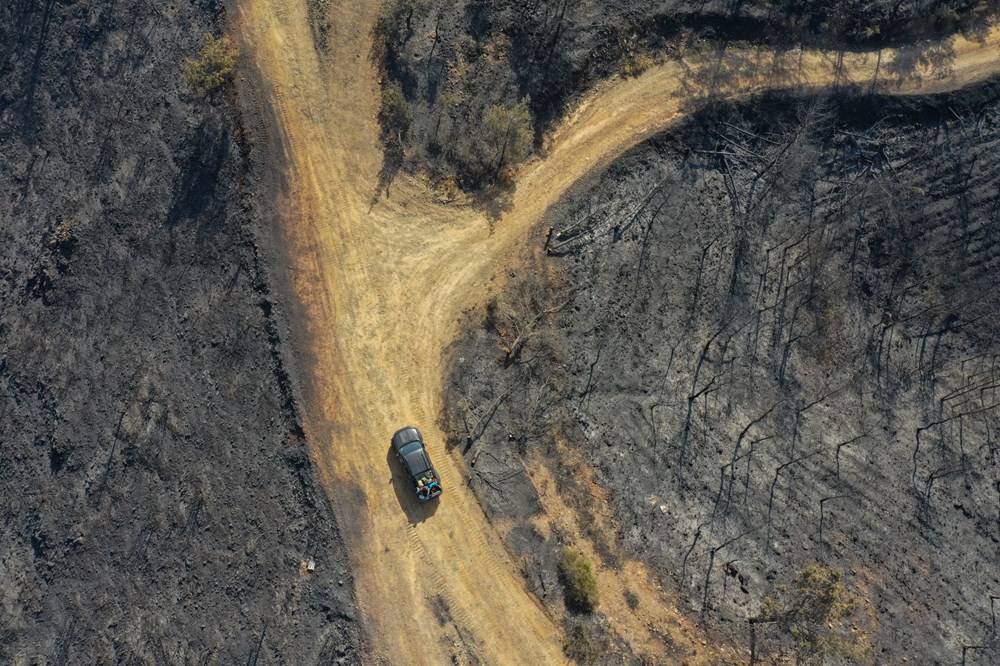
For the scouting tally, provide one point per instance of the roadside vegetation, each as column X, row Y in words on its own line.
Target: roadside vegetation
column 213, row 66
column 508, row 134
column 395, row 115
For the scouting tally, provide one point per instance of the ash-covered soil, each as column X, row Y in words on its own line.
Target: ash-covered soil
column 455, row 60
column 773, row 333
column 158, row 501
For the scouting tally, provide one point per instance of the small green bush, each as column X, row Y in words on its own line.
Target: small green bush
column 579, row 581
column 509, row 134
column 213, row 66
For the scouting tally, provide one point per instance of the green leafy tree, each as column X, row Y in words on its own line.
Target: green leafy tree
column 213, row 66
column 508, row 133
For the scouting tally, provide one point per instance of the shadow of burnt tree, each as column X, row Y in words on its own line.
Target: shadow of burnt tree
column 916, row 62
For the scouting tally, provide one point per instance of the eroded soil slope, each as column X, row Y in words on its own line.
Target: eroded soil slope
column 157, row 496
column 773, row 336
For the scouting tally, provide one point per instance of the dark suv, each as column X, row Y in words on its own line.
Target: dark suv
column 408, row 444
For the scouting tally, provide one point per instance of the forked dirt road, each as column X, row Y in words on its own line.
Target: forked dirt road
column 382, row 286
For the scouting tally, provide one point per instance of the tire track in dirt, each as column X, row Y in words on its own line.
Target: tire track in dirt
column 382, row 286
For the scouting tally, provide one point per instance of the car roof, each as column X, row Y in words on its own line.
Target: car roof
column 417, row 461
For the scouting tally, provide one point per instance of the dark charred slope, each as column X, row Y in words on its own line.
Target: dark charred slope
column 454, row 60
column 782, row 350
column 157, row 496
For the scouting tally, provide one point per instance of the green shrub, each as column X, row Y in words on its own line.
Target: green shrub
column 509, row 133
column 579, row 581
column 213, row 66
column 817, row 594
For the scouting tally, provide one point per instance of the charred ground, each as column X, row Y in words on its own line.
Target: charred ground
column 772, row 333
column 150, row 451
column 158, row 498
column 454, row 61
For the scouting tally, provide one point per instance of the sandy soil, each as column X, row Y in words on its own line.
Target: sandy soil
column 383, row 281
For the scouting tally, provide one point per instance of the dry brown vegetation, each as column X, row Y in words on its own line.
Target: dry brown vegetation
column 812, row 611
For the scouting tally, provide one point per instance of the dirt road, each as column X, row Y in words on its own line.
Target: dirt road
column 383, row 281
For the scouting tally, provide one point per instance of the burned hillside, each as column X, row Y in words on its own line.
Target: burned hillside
column 449, row 64
column 779, row 350
column 158, row 499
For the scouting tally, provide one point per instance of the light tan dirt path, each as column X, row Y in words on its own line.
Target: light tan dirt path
column 383, row 285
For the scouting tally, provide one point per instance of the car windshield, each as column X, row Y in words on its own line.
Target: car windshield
column 409, row 448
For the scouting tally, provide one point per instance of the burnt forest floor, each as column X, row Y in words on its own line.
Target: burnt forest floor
column 454, row 62
column 771, row 332
column 159, row 504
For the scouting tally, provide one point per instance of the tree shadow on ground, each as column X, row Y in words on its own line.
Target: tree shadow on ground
column 199, row 177
column 725, row 71
column 917, row 61
column 493, row 202
column 392, row 162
